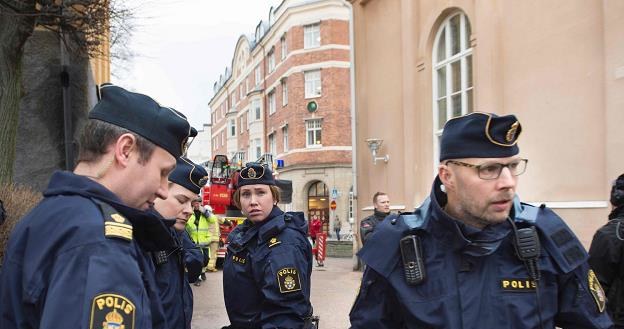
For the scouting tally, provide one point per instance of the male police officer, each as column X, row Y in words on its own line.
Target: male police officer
column 473, row 256
column 183, row 261
column 77, row 259
column 381, row 202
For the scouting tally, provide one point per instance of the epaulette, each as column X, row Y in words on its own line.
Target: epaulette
column 116, row 226
column 557, row 238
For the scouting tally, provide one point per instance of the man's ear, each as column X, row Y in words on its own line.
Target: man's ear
column 446, row 176
column 124, row 147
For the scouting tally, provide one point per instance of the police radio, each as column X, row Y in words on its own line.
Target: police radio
column 527, row 245
column 160, row 257
column 413, row 265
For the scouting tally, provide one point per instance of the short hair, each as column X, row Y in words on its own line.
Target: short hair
column 97, row 135
column 275, row 192
column 617, row 192
column 377, row 195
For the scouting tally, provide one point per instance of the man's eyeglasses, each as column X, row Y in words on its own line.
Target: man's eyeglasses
column 492, row 170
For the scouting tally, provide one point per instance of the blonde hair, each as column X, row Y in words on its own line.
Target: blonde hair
column 275, row 192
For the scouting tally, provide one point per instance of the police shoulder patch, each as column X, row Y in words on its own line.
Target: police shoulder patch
column 273, row 242
column 288, row 280
column 112, row 311
column 117, row 226
column 596, row 290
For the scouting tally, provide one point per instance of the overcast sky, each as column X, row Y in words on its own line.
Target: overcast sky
column 183, row 46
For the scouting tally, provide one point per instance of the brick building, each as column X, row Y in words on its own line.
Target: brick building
column 287, row 93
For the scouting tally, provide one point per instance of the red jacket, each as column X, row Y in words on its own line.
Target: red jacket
column 315, row 227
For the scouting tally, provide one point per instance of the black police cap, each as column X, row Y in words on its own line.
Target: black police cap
column 255, row 173
column 480, row 135
column 189, row 175
column 141, row 114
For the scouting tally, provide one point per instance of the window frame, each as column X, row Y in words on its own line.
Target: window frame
column 317, row 141
column 311, row 89
column 284, row 84
column 271, row 101
column 312, row 35
column 284, row 47
column 285, row 138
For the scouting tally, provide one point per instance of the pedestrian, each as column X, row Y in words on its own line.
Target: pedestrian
column 267, row 267
column 606, row 252
column 78, row 259
column 315, row 228
column 198, row 228
column 183, row 261
column 381, row 202
column 472, row 255
column 337, row 227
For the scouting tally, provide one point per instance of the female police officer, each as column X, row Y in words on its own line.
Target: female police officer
column 266, row 273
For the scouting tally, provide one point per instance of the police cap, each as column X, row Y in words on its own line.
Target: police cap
column 189, row 175
column 255, row 173
column 480, row 135
column 142, row 115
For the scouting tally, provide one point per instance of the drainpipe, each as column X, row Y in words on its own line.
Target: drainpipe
column 67, row 115
column 354, row 226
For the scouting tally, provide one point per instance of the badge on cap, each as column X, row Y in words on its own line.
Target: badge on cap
column 511, row 133
column 596, row 290
column 112, row 311
column 251, row 173
column 288, row 280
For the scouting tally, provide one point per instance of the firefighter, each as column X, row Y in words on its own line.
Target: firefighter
column 266, row 272
column 78, row 259
column 214, row 235
column 183, row 261
column 198, row 227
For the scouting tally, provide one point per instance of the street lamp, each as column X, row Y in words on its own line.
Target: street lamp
column 374, row 144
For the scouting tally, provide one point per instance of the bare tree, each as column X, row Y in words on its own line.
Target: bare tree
column 82, row 25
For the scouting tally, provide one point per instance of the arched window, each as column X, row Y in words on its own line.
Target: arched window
column 452, row 74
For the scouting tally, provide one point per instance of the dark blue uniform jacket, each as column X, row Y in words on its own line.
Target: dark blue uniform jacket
column 183, row 260
column 266, row 273
column 474, row 278
column 78, row 260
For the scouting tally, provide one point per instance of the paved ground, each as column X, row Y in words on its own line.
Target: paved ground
column 334, row 287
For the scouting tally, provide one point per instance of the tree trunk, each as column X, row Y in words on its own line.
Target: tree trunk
column 14, row 31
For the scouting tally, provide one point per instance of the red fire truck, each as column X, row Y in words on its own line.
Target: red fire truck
column 220, row 189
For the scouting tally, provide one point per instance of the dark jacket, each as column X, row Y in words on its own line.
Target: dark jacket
column 266, row 273
column 606, row 258
column 368, row 224
column 473, row 278
column 79, row 258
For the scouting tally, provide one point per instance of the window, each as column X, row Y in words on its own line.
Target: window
column 272, row 102
column 240, row 92
column 284, row 46
column 313, row 133
column 284, row 92
column 452, row 74
column 272, row 146
column 232, row 127
column 312, row 83
column 285, row 137
column 255, row 110
column 258, row 75
column 311, row 36
column 247, row 86
column 222, row 138
column 258, row 148
column 242, row 123
column 271, row 59
column 233, row 100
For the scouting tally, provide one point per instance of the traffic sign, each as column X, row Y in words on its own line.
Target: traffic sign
column 334, row 194
column 332, row 205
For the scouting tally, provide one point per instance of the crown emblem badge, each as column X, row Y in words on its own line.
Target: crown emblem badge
column 251, row 173
column 511, row 133
column 114, row 320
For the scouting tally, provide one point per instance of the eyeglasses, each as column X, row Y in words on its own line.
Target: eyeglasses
column 492, row 170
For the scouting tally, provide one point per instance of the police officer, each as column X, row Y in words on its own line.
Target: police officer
column 606, row 254
column 183, row 261
column 267, row 268
column 77, row 260
column 472, row 255
column 381, row 202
